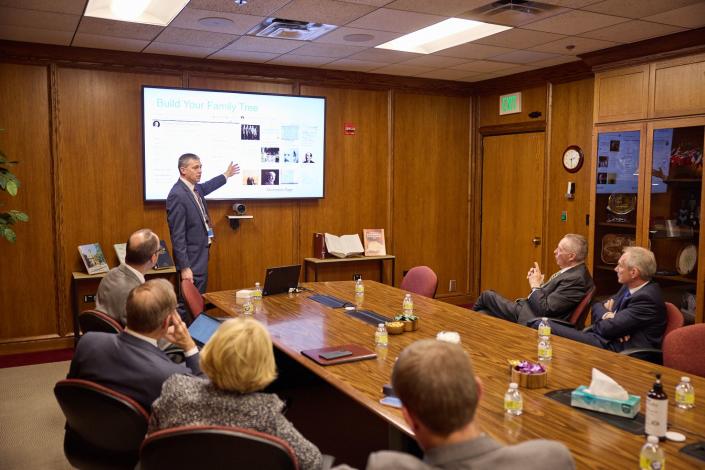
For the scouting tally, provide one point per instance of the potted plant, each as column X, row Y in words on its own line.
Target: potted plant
column 411, row 321
column 10, row 184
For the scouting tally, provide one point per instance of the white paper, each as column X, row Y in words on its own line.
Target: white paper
column 603, row 385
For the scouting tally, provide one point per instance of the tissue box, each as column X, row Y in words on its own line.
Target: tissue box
column 628, row 408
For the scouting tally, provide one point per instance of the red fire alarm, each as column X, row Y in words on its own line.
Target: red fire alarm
column 349, row 128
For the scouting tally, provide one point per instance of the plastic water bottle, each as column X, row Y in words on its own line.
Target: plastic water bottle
column 359, row 287
column 685, row 394
column 656, row 421
column 257, row 294
column 544, row 327
column 248, row 307
column 545, row 349
column 381, row 336
column 651, row 457
column 513, row 404
column 408, row 305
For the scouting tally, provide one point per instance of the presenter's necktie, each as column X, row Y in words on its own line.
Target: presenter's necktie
column 202, row 207
column 553, row 276
column 622, row 301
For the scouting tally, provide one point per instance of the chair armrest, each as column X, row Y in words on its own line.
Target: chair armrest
column 645, row 354
column 562, row 322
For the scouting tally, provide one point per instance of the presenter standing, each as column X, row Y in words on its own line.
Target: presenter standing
column 190, row 226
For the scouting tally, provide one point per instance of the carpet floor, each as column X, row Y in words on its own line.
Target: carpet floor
column 32, row 425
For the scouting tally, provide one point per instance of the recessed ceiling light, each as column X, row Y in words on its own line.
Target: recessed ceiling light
column 156, row 12
column 215, row 21
column 447, row 33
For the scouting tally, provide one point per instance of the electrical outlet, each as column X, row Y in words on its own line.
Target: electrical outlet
column 451, row 285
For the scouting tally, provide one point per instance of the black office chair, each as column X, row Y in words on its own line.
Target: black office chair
column 104, row 428
column 189, row 447
column 95, row 320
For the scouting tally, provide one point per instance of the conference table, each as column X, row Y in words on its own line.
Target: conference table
column 298, row 323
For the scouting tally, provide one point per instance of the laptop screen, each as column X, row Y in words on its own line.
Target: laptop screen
column 280, row 279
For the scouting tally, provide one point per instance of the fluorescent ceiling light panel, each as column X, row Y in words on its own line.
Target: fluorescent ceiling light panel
column 447, row 33
column 156, row 12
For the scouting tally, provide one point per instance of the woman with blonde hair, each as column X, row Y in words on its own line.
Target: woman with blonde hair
column 239, row 361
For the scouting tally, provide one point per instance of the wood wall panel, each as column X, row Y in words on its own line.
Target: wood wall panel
column 532, row 99
column 678, row 87
column 430, row 189
column 571, row 124
column 27, row 267
column 357, row 175
column 622, row 94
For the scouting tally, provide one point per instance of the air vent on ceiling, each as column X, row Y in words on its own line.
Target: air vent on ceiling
column 290, row 29
column 518, row 6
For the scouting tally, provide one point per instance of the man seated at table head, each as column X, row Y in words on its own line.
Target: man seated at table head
column 131, row 362
column 635, row 317
column 557, row 297
column 440, row 394
column 141, row 255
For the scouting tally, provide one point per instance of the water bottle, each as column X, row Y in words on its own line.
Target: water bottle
column 513, row 403
column 651, row 457
column 685, row 394
column 359, row 287
column 544, row 327
column 656, row 422
column 257, row 294
column 545, row 349
column 248, row 307
column 408, row 305
column 381, row 336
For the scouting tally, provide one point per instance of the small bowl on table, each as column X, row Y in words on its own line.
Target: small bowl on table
column 530, row 375
column 394, row 327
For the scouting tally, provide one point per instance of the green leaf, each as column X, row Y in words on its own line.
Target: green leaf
column 11, row 187
column 19, row 216
column 9, row 234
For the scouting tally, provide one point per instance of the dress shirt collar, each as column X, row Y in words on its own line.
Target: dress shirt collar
column 461, row 451
column 188, row 184
column 632, row 291
column 151, row 341
column 570, row 267
column 139, row 275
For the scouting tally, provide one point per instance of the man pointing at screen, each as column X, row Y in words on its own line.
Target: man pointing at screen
column 190, row 226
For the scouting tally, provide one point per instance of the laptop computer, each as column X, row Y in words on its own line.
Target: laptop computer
column 280, row 279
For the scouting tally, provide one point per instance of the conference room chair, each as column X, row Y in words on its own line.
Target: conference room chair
column 95, row 320
column 674, row 321
column 190, row 447
column 194, row 300
column 577, row 318
column 683, row 349
column 104, row 428
column 420, row 280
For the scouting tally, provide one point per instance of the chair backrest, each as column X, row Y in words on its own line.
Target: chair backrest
column 215, row 447
column 577, row 318
column 674, row 318
column 193, row 298
column 420, row 280
column 683, row 349
column 95, row 320
column 103, row 418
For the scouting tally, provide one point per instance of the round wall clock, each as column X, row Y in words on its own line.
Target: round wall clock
column 573, row 158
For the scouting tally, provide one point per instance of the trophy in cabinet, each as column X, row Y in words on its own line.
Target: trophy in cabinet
column 620, row 207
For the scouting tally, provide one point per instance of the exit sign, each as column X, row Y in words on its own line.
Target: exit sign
column 510, row 104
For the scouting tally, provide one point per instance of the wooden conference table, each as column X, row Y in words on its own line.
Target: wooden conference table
column 297, row 323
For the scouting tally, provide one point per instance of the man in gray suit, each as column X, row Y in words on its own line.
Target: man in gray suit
column 131, row 362
column 556, row 298
column 440, row 393
column 140, row 256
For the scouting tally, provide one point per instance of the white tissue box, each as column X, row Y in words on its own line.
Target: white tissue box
column 628, row 408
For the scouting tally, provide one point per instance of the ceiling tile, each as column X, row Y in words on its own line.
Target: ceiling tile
column 636, row 8
column 396, row 21
column 240, row 24
column 192, row 37
column 300, row 60
column 38, row 19
column 519, row 38
column 446, row 74
column 472, row 50
column 71, row 7
column 483, row 66
column 512, row 17
column 632, row 31
column 352, row 64
column 334, row 51
column 119, row 29
column 42, row 36
column 253, row 7
column 570, row 3
column 443, row 8
column 434, row 61
column 268, row 45
column 523, row 57
column 108, row 42
column 372, row 3
column 575, row 22
column 692, row 16
column 385, row 56
column 323, row 11
column 243, row 56
column 179, row 49
column 580, row 45
column 401, row 69
column 561, row 59
column 338, row 36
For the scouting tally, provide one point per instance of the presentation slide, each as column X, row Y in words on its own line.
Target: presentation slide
column 278, row 141
column 618, row 162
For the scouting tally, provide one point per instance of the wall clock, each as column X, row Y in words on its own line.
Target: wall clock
column 573, row 158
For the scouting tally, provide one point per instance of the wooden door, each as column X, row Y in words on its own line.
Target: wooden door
column 512, row 211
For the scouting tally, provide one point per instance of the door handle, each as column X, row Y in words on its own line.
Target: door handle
column 536, row 241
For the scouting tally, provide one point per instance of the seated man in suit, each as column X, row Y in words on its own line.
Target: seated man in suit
column 131, row 362
column 440, row 393
column 635, row 317
column 556, row 298
column 140, row 256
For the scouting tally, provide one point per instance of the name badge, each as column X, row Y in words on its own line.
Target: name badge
column 211, row 234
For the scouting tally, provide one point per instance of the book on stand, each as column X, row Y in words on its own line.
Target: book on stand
column 94, row 259
column 319, row 246
column 120, row 251
column 344, row 245
column 374, row 242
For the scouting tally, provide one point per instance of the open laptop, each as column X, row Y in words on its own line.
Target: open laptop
column 280, row 279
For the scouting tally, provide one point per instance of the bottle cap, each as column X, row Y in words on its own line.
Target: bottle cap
column 685, row 379
column 513, row 385
column 652, row 439
column 380, row 325
column 675, row 436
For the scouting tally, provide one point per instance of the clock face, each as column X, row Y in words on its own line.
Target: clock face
column 572, row 159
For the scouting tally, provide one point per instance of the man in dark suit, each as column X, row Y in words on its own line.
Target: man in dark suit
column 131, row 362
column 635, row 317
column 440, row 394
column 556, row 298
column 140, row 256
column 190, row 226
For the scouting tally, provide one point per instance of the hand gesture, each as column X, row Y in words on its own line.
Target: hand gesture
column 609, row 305
column 535, row 276
column 233, row 169
column 178, row 333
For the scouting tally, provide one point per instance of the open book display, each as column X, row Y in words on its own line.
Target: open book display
column 344, row 246
column 374, row 242
column 94, row 259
